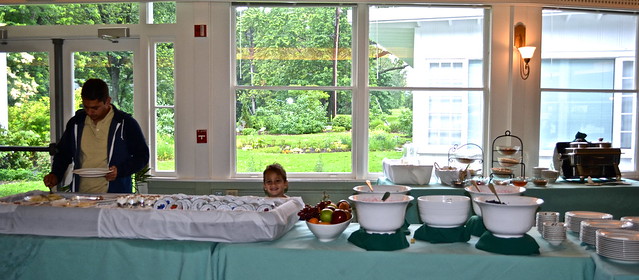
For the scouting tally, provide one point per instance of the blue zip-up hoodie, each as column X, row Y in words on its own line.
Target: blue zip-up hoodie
column 126, row 149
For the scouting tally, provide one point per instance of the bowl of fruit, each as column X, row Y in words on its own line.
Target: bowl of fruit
column 380, row 213
column 509, row 217
column 327, row 220
column 382, row 189
column 482, row 190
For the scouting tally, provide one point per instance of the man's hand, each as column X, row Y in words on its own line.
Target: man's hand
column 50, row 180
column 113, row 174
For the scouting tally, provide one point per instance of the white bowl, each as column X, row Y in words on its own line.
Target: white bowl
column 326, row 233
column 502, row 190
column 551, row 175
column 381, row 189
column 444, row 211
column 381, row 217
column 512, row 219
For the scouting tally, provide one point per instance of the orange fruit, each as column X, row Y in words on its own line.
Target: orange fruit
column 313, row 221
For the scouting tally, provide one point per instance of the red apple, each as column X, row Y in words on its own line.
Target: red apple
column 339, row 216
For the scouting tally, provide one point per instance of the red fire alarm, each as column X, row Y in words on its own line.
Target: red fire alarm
column 200, row 136
column 200, row 30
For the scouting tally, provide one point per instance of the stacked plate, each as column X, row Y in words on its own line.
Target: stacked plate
column 542, row 217
column 589, row 228
column 633, row 220
column 618, row 244
column 554, row 232
column 573, row 218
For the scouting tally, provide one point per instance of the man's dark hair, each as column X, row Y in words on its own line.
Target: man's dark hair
column 95, row 89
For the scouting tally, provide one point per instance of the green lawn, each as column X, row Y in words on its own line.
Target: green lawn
column 312, row 162
column 20, row 187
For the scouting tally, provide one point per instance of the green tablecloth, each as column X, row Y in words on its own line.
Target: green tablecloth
column 43, row 257
column 618, row 200
column 299, row 255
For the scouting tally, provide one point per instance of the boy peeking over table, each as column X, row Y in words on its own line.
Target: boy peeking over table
column 275, row 182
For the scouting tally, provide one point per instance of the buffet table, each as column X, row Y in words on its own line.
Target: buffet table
column 297, row 255
column 618, row 200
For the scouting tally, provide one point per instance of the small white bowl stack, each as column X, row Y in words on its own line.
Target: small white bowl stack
column 589, row 227
column 554, row 232
column 545, row 216
column 573, row 218
column 633, row 220
column 618, row 244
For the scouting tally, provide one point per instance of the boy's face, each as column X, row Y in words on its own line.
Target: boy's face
column 274, row 185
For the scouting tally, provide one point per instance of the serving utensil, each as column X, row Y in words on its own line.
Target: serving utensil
column 476, row 186
column 368, row 182
column 385, row 196
column 492, row 189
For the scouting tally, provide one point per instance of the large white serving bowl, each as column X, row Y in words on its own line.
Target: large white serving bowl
column 326, row 233
column 502, row 190
column 381, row 189
column 512, row 219
column 444, row 211
column 381, row 217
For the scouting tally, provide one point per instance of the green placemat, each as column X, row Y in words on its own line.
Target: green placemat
column 442, row 235
column 475, row 226
column 404, row 227
column 525, row 245
column 379, row 242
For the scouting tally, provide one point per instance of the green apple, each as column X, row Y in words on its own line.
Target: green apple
column 326, row 215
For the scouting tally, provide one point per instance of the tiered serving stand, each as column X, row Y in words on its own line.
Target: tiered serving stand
column 507, row 140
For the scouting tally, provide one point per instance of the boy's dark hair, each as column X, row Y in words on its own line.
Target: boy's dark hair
column 276, row 168
column 95, row 89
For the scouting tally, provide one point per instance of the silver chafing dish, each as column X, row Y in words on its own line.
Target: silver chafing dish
column 580, row 160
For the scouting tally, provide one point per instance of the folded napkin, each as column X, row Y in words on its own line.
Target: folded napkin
column 379, row 242
column 475, row 226
column 442, row 235
column 525, row 245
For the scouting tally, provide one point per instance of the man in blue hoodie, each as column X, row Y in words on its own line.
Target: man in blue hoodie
column 99, row 137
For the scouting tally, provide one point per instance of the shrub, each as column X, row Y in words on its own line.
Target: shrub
column 344, row 121
column 380, row 141
column 249, row 131
column 338, row 129
column 19, row 174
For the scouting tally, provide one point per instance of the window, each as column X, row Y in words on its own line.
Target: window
column 426, row 84
column 588, row 87
column 293, row 88
column 164, row 134
column 70, row 14
column 24, row 112
column 163, row 12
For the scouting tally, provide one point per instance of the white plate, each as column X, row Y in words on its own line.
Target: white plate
column 92, row 172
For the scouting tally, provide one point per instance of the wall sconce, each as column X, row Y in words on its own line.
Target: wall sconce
column 526, row 52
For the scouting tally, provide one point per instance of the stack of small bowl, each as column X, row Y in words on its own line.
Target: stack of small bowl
column 545, row 216
column 554, row 232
